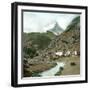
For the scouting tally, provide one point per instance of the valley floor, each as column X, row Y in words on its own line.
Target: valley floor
column 71, row 67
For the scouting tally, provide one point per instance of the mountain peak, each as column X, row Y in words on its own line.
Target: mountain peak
column 55, row 28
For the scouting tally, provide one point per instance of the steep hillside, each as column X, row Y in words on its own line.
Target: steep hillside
column 68, row 40
column 33, row 43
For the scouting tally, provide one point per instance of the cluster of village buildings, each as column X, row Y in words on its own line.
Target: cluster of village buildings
column 67, row 53
column 58, row 54
column 55, row 55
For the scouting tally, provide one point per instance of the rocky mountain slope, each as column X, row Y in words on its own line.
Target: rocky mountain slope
column 68, row 40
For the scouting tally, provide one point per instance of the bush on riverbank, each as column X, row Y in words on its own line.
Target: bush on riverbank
column 72, row 63
column 60, row 71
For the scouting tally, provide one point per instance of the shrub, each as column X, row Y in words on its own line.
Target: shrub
column 61, row 68
column 72, row 63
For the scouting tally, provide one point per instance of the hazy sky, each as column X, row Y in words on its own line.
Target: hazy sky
column 40, row 22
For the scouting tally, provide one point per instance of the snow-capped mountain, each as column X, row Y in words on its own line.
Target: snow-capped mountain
column 55, row 28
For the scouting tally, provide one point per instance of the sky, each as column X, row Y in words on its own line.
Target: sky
column 41, row 21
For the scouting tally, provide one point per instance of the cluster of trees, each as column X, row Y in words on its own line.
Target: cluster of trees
column 30, row 52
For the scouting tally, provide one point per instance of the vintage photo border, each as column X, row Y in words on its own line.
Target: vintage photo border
column 14, row 43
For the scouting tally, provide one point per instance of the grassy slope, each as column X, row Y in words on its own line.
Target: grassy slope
column 35, row 42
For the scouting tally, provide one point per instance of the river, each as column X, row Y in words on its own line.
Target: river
column 52, row 71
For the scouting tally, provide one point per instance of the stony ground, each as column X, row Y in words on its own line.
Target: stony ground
column 70, row 69
column 72, row 66
column 35, row 69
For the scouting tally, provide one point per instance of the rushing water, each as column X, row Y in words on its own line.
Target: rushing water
column 53, row 71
